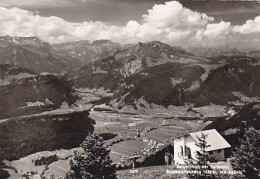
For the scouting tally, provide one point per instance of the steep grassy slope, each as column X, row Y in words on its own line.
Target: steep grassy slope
column 102, row 73
column 164, row 84
column 23, row 92
column 21, row 137
column 249, row 115
column 233, row 128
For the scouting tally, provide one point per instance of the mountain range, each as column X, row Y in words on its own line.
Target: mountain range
column 155, row 73
column 39, row 56
column 143, row 74
column 51, row 87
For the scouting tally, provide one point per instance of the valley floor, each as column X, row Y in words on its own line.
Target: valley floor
column 136, row 134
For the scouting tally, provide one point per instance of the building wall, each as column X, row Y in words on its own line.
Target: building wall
column 218, row 156
column 178, row 158
column 189, row 142
column 182, row 142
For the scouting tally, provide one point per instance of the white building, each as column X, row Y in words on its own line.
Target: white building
column 185, row 148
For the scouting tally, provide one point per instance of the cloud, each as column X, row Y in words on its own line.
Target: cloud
column 174, row 15
column 30, row 3
column 170, row 23
column 250, row 27
column 41, row 3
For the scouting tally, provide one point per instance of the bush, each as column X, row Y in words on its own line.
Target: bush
column 4, row 174
column 107, row 136
column 46, row 160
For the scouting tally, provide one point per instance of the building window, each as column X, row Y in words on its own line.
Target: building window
column 210, row 152
column 188, row 152
column 219, row 151
column 181, row 151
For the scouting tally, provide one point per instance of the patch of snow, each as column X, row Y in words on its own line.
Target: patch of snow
column 195, row 85
column 46, row 73
column 241, row 71
column 144, row 73
column 230, row 131
column 23, row 76
column 116, row 103
column 98, row 70
column 4, row 82
column 133, row 66
column 212, row 110
column 95, row 91
column 257, row 106
column 47, row 101
column 245, row 98
column 20, row 76
column 188, row 59
column 176, row 81
column 64, row 105
column 236, row 103
column 231, row 112
column 208, row 68
column 37, row 103
column 205, row 75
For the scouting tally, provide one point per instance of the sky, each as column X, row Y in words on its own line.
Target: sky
column 179, row 23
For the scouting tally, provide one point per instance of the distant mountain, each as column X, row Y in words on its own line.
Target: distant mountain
column 23, row 92
column 85, row 52
column 33, row 54
column 226, row 82
column 254, row 53
column 235, row 80
column 215, row 52
column 110, row 72
column 155, row 73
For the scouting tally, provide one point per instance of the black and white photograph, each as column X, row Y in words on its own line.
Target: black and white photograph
column 129, row 89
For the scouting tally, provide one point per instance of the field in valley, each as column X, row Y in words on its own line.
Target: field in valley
column 136, row 132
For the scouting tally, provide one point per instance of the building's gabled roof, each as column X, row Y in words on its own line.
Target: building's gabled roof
column 214, row 139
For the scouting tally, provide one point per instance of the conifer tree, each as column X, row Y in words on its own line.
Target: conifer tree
column 246, row 157
column 201, row 161
column 94, row 162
